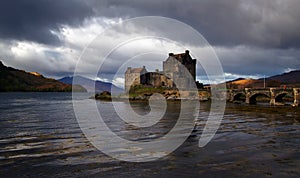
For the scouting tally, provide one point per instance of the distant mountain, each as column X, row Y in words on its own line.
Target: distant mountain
column 288, row 78
column 89, row 84
column 238, row 79
column 18, row 80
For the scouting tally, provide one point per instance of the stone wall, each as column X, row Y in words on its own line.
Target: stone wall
column 133, row 77
column 179, row 70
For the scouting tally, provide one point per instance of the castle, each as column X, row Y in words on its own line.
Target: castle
column 177, row 67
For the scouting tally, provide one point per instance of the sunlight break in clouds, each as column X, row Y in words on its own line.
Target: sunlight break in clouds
column 54, row 61
column 119, row 82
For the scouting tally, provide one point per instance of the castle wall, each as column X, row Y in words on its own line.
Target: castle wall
column 157, row 79
column 175, row 68
column 191, row 67
column 178, row 67
column 133, row 77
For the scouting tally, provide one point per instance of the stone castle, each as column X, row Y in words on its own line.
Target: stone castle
column 180, row 68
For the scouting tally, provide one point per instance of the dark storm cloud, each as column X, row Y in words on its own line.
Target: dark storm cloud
column 255, row 61
column 250, row 37
column 33, row 20
column 268, row 23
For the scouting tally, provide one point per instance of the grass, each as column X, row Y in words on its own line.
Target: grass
column 141, row 89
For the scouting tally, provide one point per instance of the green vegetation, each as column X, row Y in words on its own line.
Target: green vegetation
column 141, row 89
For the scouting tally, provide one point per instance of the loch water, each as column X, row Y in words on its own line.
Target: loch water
column 40, row 136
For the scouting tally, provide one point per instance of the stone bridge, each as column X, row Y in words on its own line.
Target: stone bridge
column 275, row 94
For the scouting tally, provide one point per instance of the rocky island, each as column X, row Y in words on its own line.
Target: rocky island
column 141, row 84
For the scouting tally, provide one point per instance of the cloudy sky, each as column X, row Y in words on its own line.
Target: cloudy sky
column 251, row 38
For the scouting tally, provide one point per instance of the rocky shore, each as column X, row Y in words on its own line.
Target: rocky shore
column 167, row 94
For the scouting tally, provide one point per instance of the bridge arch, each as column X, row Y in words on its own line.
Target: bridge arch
column 239, row 96
column 252, row 98
column 274, row 95
column 279, row 97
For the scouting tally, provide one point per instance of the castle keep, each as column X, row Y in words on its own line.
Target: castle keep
column 177, row 68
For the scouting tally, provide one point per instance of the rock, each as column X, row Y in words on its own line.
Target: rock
column 172, row 97
column 105, row 95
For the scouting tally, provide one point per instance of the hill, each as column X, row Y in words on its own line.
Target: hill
column 241, row 83
column 89, row 84
column 290, row 79
column 18, row 80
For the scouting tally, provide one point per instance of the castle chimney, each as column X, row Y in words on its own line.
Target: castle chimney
column 187, row 52
column 143, row 67
column 171, row 54
column 129, row 68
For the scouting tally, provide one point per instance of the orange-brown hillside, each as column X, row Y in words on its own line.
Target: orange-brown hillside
column 18, row 80
column 291, row 79
column 243, row 82
column 240, row 83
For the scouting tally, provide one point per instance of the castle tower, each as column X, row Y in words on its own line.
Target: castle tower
column 175, row 71
column 177, row 68
column 133, row 76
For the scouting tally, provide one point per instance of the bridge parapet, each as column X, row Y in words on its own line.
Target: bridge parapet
column 278, row 90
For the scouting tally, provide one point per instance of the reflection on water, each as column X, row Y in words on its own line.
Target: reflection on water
column 40, row 137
